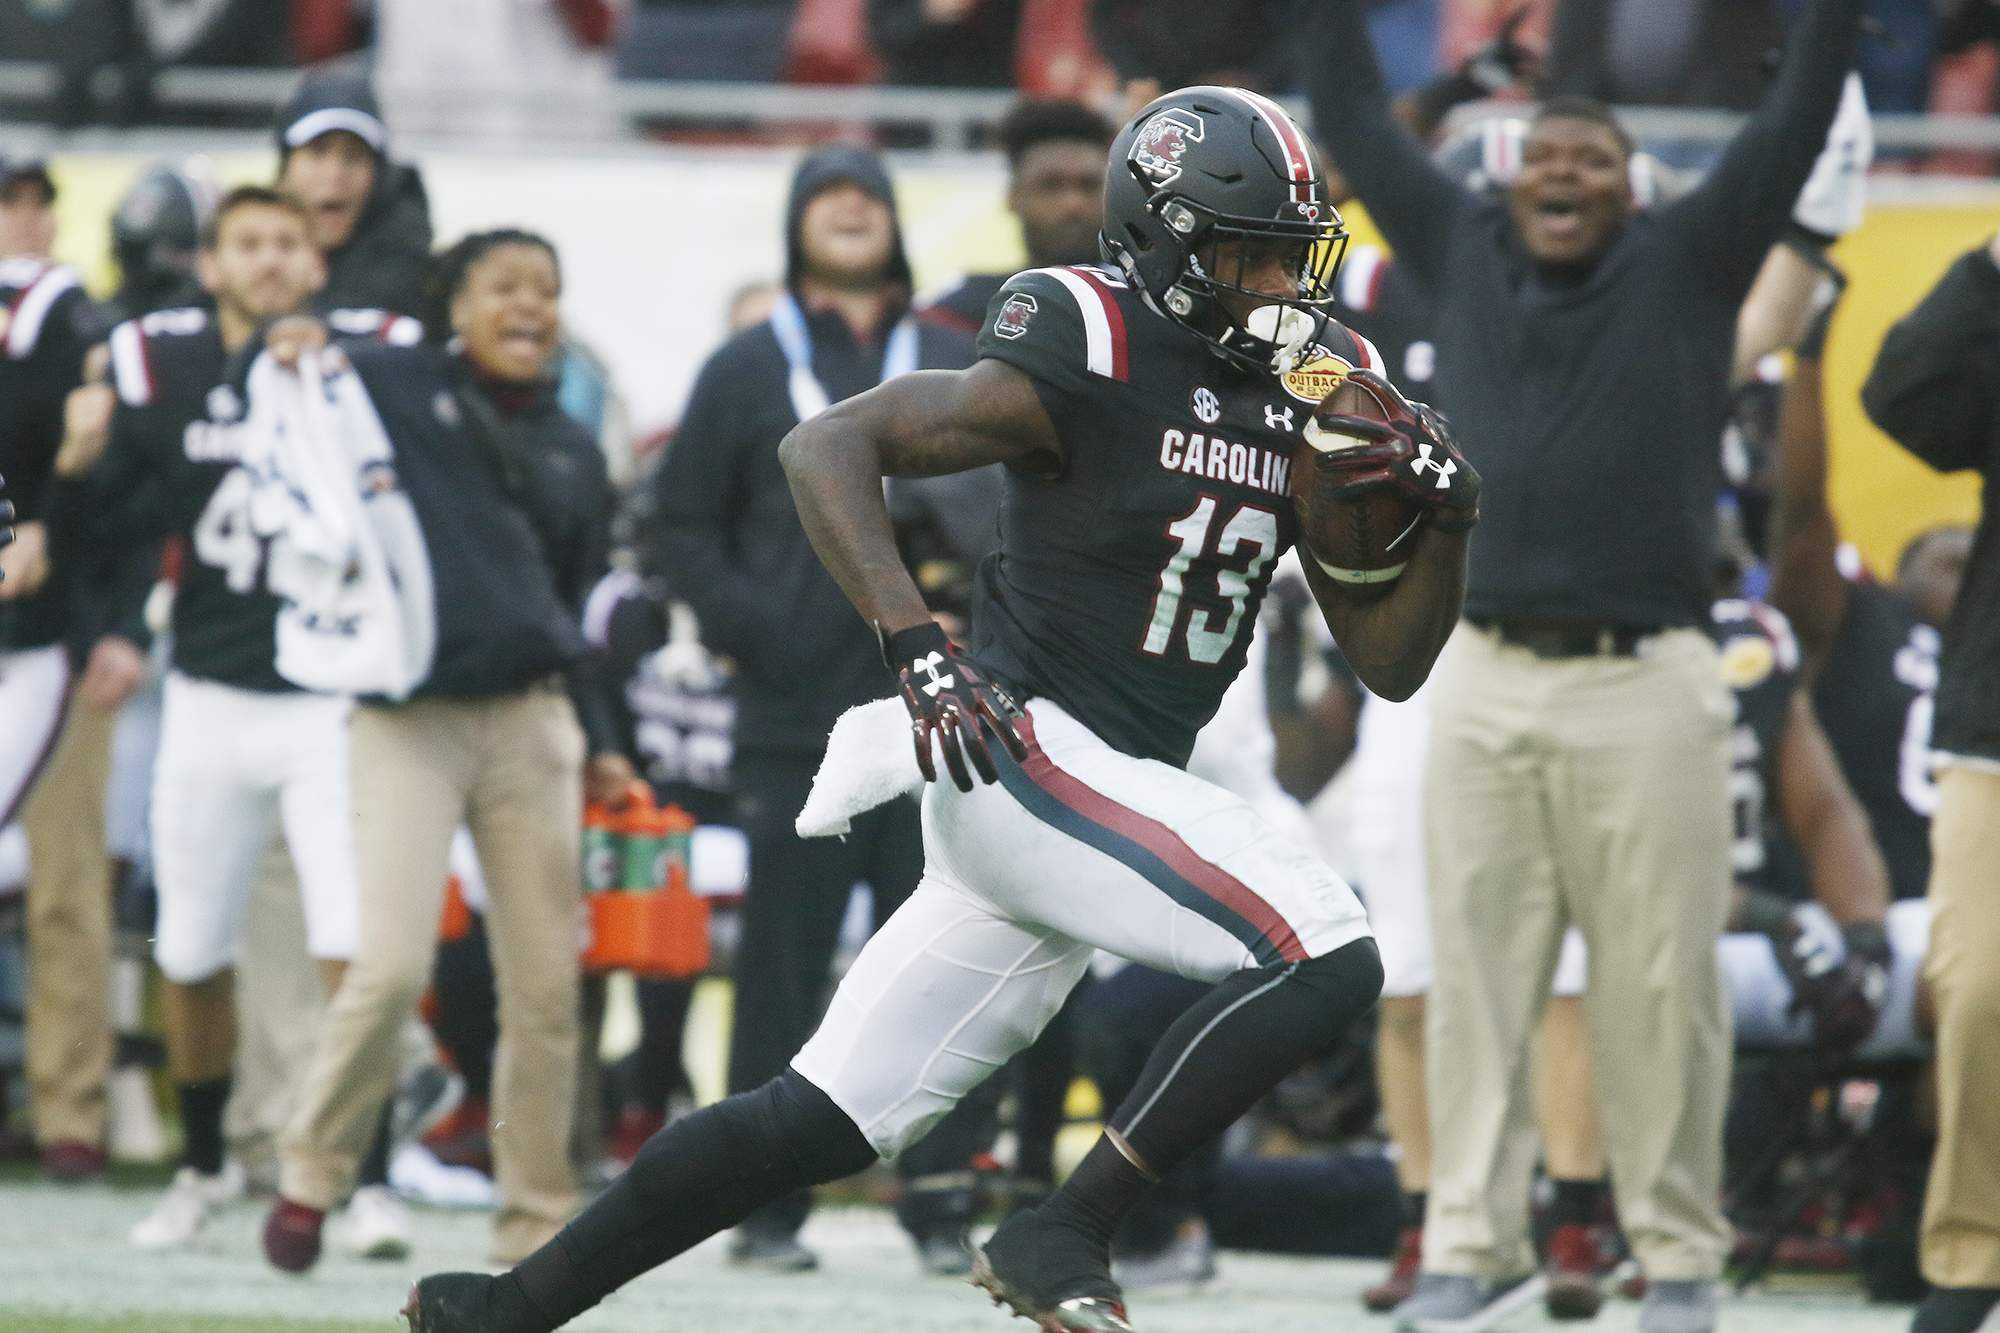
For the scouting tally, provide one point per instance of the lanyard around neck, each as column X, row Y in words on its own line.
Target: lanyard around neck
column 809, row 396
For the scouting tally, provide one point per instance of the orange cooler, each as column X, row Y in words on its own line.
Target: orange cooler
column 649, row 921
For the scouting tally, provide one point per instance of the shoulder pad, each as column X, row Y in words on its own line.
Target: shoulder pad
column 1059, row 324
column 1361, row 277
column 33, row 288
column 138, row 346
column 381, row 325
column 132, row 363
column 1352, row 348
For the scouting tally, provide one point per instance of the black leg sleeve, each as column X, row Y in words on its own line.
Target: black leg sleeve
column 703, row 1173
column 468, row 1007
column 1235, row 1044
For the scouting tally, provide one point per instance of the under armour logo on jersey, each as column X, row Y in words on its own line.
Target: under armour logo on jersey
column 1424, row 460
column 1207, row 406
column 1277, row 418
column 929, row 664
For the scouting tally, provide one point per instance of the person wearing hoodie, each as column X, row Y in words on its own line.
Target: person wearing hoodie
column 371, row 218
column 729, row 544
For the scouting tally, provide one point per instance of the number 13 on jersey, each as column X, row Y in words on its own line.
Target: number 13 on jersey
column 1250, row 534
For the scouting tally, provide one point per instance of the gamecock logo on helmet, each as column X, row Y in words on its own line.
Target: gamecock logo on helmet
column 1012, row 321
column 1162, row 144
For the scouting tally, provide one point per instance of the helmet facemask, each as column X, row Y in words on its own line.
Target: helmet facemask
column 1219, row 253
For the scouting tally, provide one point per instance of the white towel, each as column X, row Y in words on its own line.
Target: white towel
column 347, row 553
column 869, row 762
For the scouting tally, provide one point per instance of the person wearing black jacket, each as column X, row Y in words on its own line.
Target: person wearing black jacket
column 371, row 217
column 1934, row 388
column 1579, row 758
column 512, row 501
column 730, row 546
column 66, row 668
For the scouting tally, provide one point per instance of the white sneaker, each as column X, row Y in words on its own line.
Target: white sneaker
column 178, row 1217
column 376, row 1224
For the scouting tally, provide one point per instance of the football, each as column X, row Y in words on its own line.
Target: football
column 1364, row 540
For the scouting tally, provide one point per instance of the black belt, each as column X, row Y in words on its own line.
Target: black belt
column 1568, row 638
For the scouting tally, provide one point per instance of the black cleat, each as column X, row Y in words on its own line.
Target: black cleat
column 461, row 1303
column 1051, row 1274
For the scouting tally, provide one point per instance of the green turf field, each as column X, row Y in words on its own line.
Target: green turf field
column 65, row 1268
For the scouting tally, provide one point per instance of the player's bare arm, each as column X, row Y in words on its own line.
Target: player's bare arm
column 1827, row 824
column 1393, row 639
column 927, row 424
column 1806, row 582
column 1391, row 629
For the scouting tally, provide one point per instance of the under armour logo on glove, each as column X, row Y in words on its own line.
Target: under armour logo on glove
column 929, row 664
column 956, row 710
column 1402, row 452
column 1424, row 460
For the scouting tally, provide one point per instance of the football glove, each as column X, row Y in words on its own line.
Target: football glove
column 1841, row 988
column 1412, row 453
column 951, row 703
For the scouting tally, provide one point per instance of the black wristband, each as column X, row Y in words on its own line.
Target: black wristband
column 1764, row 912
column 1869, row 940
column 907, row 645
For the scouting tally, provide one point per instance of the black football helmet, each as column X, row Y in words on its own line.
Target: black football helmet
column 156, row 233
column 1208, row 165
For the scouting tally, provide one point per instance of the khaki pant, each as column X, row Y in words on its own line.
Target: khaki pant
column 510, row 768
column 69, row 932
column 1587, row 791
column 1961, row 1235
column 279, row 1001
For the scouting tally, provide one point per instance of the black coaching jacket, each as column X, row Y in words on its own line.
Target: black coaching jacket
column 514, row 504
column 1936, row 389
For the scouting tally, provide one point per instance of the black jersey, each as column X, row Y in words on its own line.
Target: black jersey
column 1760, row 664
column 171, row 469
column 1127, row 583
column 46, row 325
column 675, row 712
column 1875, row 698
column 963, row 306
column 1378, row 299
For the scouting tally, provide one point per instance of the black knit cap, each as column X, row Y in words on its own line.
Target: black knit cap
column 841, row 164
column 26, row 168
column 328, row 100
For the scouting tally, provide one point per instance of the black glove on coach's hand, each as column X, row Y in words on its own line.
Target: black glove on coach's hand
column 1412, row 453
column 949, row 699
column 1841, row 989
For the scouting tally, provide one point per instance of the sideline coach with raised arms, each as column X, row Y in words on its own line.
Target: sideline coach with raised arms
column 1579, row 755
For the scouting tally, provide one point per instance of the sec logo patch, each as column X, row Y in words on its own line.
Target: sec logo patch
column 1747, row 661
column 1318, row 374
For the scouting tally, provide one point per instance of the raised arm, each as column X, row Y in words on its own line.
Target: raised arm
column 922, row 425
column 1936, row 383
column 1408, row 197
column 1739, row 210
column 1806, row 582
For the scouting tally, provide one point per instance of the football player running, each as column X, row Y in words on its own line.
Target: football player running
column 1147, row 412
